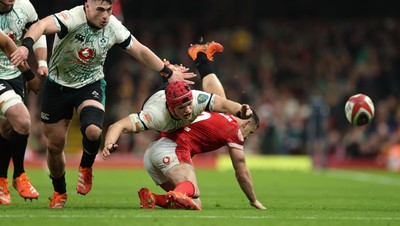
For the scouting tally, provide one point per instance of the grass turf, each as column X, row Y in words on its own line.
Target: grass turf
column 334, row 197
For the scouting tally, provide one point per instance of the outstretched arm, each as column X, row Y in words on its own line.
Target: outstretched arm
column 243, row 176
column 223, row 105
column 129, row 124
column 144, row 55
column 211, row 84
column 45, row 26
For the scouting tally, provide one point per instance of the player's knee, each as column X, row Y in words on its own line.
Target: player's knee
column 55, row 148
column 13, row 109
column 92, row 132
column 91, row 146
column 23, row 126
column 19, row 118
column 91, row 122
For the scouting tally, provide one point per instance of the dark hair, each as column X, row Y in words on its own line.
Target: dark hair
column 255, row 120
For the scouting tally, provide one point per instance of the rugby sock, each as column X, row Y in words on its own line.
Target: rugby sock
column 59, row 184
column 203, row 65
column 17, row 146
column 87, row 160
column 90, row 150
column 185, row 187
column 5, row 156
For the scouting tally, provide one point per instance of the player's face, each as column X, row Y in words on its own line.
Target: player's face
column 98, row 13
column 247, row 130
column 6, row 5
column 8, row 2
column 184, row 111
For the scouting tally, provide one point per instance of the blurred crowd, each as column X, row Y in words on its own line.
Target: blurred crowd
column 296, row 72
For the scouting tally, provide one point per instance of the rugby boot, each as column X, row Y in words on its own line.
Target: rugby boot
column 209, row 48
column 57, row 201
column 5, row 198
column 24, row 187
column 84, row 183
column 147, row 199
column 178, row 200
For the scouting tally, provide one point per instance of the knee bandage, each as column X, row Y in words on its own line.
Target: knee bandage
column 91, row 116
column 7, row 100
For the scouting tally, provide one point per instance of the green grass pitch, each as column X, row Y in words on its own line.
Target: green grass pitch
column 333, row 197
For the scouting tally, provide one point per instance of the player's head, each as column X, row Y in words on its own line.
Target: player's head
column 98, row 12
column 179, row 99
column 251, row 125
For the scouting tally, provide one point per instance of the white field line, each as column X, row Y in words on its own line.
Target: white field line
column 204, row 217
column 364, row 177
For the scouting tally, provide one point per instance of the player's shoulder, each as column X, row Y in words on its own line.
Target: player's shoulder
column 76, row 11
column 201, row 96
column 156, row 100
column 25, row 5
column 19, row 3
column 117, row 25
column 73, row 16
column 114, row 21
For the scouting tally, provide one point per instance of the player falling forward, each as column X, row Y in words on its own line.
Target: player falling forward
column 168, row 160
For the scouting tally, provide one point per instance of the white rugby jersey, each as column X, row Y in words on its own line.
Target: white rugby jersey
column 14, row 24
column 79, row 50
column 156, row 116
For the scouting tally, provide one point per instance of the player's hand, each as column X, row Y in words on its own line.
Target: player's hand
column 180, row 73
column 34, row 85
column 245, row 112
column 182, row 76
column 258, row 205
column 43, row 71
column 175, row 67
column 19, row 56
column 108, row 149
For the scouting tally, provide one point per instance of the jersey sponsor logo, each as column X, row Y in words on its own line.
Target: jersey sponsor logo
column 202, row 98
column 103, row 41
column 166, row 160
column 86, row 54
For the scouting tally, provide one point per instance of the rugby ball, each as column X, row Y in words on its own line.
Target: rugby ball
column 359, row 109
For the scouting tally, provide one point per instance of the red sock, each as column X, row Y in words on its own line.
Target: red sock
column 185, row 187
column 161, row 200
